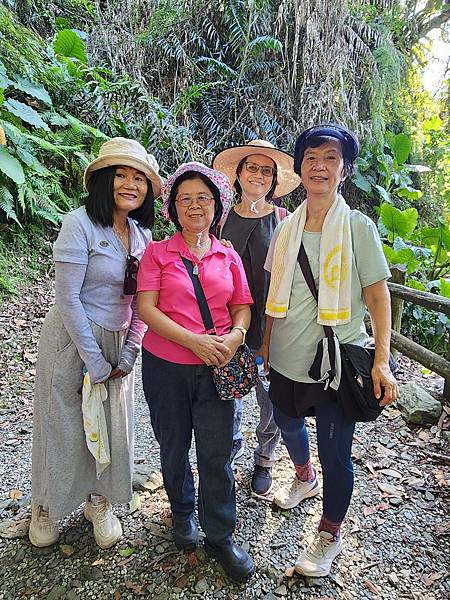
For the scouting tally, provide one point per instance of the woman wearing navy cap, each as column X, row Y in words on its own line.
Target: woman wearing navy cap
column 345, row 256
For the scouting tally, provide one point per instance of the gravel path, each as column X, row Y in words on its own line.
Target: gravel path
column 396, row 537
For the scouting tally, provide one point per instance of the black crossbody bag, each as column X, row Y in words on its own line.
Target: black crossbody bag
column 240, row 375
column 355, row 393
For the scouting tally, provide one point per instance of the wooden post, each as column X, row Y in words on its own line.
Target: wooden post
column 397, row 304
column 447, row 380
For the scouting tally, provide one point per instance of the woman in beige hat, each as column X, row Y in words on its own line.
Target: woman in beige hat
column 259, row 172
column 93, row 328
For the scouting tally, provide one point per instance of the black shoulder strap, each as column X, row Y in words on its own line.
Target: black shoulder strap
column 309, row 278
column 201, row 298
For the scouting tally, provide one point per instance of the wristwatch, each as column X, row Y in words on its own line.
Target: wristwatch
column 242, row 330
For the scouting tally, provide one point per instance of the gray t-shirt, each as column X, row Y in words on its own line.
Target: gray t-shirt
column 294, row 339
column 90, row 266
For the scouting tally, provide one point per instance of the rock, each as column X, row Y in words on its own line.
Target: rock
column 76, row 583
column 201, row 586
column 88, row 573
column 393, row 578
column 56, row 592
column 19, row 555
column 314, row 581
column 270, row 596
column 72, row 595
column 65, row 551
column 71, row 536
column 281, row 591
column 395, row 501
column 418, row 406
column 146, row 479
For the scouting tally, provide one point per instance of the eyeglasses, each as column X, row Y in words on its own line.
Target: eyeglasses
column 254, row 168
column 130, row 281
column 203, row 200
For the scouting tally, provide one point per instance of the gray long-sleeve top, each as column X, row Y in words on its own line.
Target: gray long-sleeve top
column 90, row 266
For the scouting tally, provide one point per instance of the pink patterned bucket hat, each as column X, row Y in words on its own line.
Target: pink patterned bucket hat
column 220, row 180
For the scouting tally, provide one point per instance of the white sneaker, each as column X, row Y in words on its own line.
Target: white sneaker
column 316, row 560
column 291, row 495
column 43, row 531
column 107, row 527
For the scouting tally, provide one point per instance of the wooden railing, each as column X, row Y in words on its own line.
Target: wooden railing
column 401, row 293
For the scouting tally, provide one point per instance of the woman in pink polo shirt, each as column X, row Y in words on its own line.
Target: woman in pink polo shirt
column 178, row 353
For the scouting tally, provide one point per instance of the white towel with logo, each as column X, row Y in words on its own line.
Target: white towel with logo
column 94, row 422
column 334, row 304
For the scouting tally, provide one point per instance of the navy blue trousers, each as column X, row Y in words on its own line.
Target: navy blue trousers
column 334, row 446
column 183, row 399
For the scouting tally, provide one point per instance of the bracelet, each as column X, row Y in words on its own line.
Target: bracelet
column 242, row 330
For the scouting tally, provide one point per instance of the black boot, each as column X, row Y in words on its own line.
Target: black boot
column 185, row 533
column 236, row 562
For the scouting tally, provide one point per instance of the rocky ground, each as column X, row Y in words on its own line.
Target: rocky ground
column 396, row 537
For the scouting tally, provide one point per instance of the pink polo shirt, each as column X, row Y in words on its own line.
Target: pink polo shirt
column 223, row 280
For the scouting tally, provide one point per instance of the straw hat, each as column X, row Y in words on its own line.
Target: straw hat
column 228, row 159
column 121, row 151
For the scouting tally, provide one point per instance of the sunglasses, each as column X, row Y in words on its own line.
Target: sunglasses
column 254, row 168
column 130, row 281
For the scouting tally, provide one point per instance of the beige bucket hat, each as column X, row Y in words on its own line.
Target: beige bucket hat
column 228, row 159
column 121, row 151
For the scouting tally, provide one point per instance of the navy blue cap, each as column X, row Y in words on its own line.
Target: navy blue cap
column 349, row 141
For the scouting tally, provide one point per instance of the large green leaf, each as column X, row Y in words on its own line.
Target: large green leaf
column 409, row 193
column 383, row 193
column 31, row 161
column 433, row 236
column 68, row 44
column 444, row 288
column 11, row 166
column 416, row 285
column 32, row 89
column 4, row 79
column 400, row 145
column 264, row 43
column 404, row 258
column 398, row 222
column 26, row 113
column 361, row 182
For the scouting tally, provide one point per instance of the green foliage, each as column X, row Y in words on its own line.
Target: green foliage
column 39, row 131
column 11, row 166
column 25, row 113
column 68, row 44
column 383, row 175
column 399, row 223
column 427, row 266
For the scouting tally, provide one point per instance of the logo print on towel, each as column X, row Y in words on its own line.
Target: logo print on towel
column 335, row 274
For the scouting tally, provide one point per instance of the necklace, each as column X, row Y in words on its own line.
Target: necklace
column 123, row 235
column 197, row 259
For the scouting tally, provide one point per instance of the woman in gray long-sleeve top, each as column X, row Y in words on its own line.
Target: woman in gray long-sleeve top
column 93, row 326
